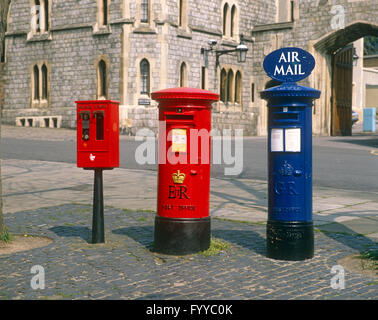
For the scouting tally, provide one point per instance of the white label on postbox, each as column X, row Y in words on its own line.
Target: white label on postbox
column 293, row 140
column 179, row 140
column 276, row 140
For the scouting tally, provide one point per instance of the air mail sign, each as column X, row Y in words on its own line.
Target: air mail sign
column 289, row 64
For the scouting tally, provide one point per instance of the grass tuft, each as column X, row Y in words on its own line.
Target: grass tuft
column 370, row 254
column 217, row 247
column 369, row 260
column 6, row 236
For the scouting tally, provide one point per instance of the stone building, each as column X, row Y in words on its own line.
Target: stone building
column 61, row 51
column 365, row 80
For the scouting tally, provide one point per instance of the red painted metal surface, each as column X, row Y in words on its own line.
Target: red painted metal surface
column 97, row 134
column 184, row 152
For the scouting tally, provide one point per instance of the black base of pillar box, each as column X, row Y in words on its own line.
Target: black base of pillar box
column 293, row 240
column 181, row 236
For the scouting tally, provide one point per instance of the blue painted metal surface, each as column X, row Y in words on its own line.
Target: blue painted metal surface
column 290, row 152
column 369, row 119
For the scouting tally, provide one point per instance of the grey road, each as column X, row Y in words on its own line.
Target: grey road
column 340, row 162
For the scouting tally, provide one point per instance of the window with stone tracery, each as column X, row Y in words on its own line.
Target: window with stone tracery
column 39, row 85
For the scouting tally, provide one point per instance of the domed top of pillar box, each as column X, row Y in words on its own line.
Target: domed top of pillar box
column 291, row 94
column 185, row 96
column 290, row 89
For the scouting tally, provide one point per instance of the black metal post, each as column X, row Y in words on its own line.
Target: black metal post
column 98, row 234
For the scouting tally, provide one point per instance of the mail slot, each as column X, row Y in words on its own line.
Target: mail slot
column 285, row 116
column 97, row 134
column 178, row 117
column 182, row 223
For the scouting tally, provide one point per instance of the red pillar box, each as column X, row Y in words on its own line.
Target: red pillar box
column 97, row 134
column 182, row 224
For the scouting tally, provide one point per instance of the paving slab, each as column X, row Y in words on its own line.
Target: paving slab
column 29, row 185
column 359, row 226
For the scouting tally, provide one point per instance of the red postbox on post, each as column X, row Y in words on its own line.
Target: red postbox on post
column 97, row 134
column 182, row 224
column 98, row 149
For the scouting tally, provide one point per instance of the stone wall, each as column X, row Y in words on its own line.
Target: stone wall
column 148, row 118
column 1, row 89
column 183, row 44
column 71, row 52
column 73, row 46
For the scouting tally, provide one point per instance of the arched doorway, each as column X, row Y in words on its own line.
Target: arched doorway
column 334, row 54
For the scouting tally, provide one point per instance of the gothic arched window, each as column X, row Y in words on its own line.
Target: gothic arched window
column 233, row 21
column 36, row 82
column 144, row 77
column 145, row 11
column 102, row 75
column 223, row 81
column 238, row 87
column 225, row 18
column 230, row 86
column 44, row 82
column 183, row 75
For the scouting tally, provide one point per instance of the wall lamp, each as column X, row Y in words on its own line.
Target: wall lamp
column 241, row 51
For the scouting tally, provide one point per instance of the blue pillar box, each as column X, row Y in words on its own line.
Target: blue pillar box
column 290, row 231
column 290, row 228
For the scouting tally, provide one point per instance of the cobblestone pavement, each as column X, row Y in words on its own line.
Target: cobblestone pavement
column 125, row 267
